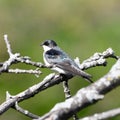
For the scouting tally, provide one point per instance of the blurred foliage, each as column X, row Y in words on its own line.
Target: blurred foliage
column 80, row 27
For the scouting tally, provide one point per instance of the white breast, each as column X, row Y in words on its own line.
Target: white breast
column 45, row 61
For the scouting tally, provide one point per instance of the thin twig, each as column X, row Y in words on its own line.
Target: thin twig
column 19, row 109
column 86, row 96
column 98, row 59
column 16, row 58
column 18, row 71
column 66, row 89
column 104, row 115
column 28, row 61
column 25, row 112
column 30, row 92
column 8, row 45
column 68, row 95
column 83, row 98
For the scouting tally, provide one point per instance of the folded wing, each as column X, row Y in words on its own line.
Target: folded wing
column 61, row 60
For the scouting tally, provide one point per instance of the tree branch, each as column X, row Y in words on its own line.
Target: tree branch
column 18, row 71
column 21, row 110
column 104, row 115
column 86, row 96
column 82, row 99
column 30, row 92
column 9, row 50
column 68, row 95
column 16, row 58
column 98, row 59
column 25, row 112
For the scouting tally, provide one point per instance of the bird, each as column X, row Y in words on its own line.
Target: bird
column 60, row 61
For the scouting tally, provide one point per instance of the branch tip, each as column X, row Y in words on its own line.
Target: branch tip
column 5, row 36
column 8, row 95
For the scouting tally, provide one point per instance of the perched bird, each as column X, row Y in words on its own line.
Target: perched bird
column 60, row 61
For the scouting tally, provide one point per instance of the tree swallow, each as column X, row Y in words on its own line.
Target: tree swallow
column 60, row 61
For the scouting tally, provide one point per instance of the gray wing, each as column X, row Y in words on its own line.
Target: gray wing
column 61, row 60
column 67, row 66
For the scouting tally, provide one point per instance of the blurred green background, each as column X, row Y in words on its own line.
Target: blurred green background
column 80, row 27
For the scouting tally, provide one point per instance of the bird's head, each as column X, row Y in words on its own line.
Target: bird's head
column 48, row 44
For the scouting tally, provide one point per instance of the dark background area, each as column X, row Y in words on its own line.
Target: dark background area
column 80, row 27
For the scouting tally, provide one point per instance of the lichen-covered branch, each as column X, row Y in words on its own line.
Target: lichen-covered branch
column 68, row 95
column 25, row 112
column 98, row 59
column 10, row 101
column 16, row 58
column 70, row 106
column 86, row 96
column 104, row 115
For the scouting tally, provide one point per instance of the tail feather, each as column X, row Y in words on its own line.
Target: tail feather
column 85, row 75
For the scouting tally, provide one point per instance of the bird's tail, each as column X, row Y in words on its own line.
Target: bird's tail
column 85, row 75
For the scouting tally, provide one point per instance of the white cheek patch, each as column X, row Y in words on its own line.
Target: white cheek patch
column 46, row 48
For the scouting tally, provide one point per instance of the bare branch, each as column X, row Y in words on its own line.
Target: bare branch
column 86, row 96
column 19, row 109
column 98, row 59
column 28, row 61
column 9, row 62
column 25, row 112
column 30, row 92
column 16, row 58
column 64, row 110
column 104, row 84
column 36, row 72
column 104, row 115
column 66, row 89
column 8, row 45
column 68, row 95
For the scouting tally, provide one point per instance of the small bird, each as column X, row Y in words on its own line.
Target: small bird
column 60, row 61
